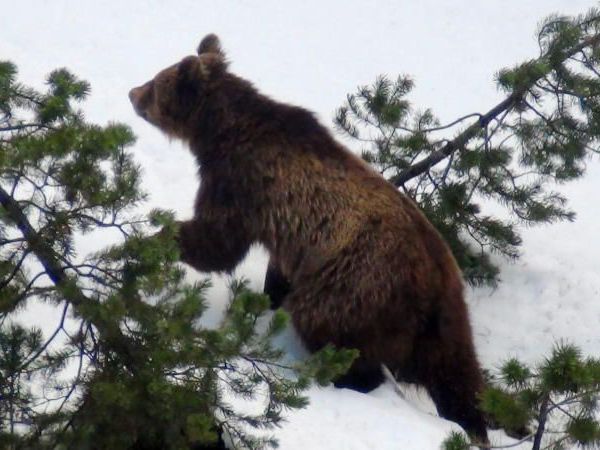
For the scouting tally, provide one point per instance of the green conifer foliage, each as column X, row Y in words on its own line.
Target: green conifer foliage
column 553, row 405
column 541, row 134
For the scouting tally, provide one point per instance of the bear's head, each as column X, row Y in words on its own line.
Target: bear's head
column 174, row 97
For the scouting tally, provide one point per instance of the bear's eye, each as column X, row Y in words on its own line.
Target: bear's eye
column 152, row 91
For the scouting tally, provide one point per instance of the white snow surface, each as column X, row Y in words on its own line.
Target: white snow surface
column 312, row 53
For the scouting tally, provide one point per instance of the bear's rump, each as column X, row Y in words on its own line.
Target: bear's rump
column 362, row 304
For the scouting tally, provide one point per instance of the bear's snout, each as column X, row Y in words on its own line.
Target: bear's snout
column 135, row 95
column 139, row 99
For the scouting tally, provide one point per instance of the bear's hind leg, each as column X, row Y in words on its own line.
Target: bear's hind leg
column 362, row 377
column 454, row 382
column 276, row 286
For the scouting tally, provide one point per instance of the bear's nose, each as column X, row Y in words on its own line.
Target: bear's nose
column 134, row 95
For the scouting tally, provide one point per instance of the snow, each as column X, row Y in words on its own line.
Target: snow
column 312, row 53
column 352, row 431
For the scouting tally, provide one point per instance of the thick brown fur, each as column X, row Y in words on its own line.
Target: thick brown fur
column 363, row 268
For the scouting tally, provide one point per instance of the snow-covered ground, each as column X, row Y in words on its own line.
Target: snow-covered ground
column 312, row 53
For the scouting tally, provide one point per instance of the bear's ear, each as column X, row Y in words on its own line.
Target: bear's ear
column 190, row 70
column 193, row 69
column 210, row 44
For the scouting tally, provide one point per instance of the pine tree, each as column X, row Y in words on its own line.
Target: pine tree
column 542, row 133
column 128, row 366
column 554, row 405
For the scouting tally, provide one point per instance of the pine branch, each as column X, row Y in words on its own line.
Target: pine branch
column 504, row 106
column 543, row 416
column 37, row 126
column 50, row 261
column 46, row 344
column 43, row 252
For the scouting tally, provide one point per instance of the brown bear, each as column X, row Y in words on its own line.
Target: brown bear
column 366, row 269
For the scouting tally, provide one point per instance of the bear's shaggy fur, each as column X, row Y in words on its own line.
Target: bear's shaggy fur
column 366, row 269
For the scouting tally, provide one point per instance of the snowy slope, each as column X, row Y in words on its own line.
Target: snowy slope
column 313, row 53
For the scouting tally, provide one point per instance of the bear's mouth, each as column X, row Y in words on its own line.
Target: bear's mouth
column 142, row 114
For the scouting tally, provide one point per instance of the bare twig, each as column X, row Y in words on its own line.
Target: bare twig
column 451, row 124
column 43, row 348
